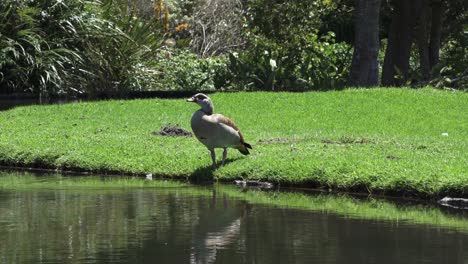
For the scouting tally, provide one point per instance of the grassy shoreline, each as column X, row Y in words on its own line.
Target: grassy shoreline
column 398, row 142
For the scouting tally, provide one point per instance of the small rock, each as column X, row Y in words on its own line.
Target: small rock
column 149, row 176
column 254, row 184
column 445, row 134
column 458, row 203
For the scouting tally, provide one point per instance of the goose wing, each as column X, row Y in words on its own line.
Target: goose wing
column 228, row 122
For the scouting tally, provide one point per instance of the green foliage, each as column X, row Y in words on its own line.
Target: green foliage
column 340, row 20
column 452, row 70
column 37, row 45
column 316, row 63
column 111, row 47
column 53, row 47
column 286, row 51
column 324, row 64
column 119, row 48
column 184, row 70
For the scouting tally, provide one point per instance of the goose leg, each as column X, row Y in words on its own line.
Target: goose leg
column 224, row 156
column 213, row 158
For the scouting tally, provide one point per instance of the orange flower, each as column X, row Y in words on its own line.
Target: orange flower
column 181, row 27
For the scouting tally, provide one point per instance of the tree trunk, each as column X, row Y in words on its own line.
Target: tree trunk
column 437, row 17
column 365, row 65
column 422, row 34
column 396, row 62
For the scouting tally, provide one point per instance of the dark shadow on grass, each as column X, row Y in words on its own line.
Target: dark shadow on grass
column 206, row 173
column 202, row 174
column 12, row 100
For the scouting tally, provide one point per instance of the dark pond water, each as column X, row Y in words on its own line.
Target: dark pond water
column 179, row 224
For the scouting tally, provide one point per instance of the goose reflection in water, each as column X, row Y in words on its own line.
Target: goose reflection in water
column 216, row 230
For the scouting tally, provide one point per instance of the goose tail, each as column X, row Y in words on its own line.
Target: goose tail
column 244, row 148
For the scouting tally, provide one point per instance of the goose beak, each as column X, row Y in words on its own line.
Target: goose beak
column 191, row 99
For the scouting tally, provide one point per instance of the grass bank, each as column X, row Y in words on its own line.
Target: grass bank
column 387, row 141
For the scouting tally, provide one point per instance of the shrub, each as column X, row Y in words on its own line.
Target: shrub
column 184, row 70
column 52, row 47
column 285, row 50
column 119, row 48
column 216, row 27
column 317, row 63
column 37, row 45
column 452, row 69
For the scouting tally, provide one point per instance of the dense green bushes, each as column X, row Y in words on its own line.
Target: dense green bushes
column 38, row 48
column 452, row 69
column 49, row 47
column 285, row 50
column 120, row 49
column 184, row 70
column 313, row 63
column 52, row 47
column 113, row 47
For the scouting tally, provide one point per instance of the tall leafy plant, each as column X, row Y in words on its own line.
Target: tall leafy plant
column 77, row 46
column 119, row 48
column 35, row 54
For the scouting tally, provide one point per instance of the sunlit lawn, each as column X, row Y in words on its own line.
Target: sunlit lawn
column 393, row 141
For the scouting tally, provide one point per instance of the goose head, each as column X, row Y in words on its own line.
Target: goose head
column 204, row 102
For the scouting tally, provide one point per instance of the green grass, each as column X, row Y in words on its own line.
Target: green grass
column 344, row 205
column 386, row 141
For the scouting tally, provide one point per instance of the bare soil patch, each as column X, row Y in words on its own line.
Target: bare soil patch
column 173, row 131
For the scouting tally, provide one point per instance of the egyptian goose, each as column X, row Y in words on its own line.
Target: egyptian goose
column 215, row 130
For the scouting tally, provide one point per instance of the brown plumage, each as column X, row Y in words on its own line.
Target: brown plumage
column 243, row 146
column 215, row 130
